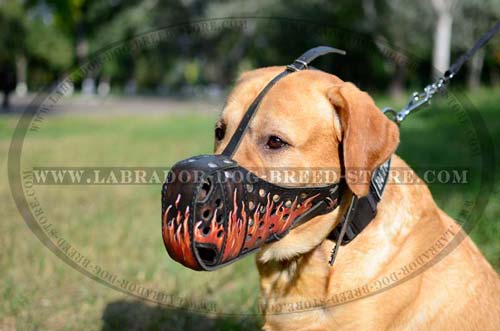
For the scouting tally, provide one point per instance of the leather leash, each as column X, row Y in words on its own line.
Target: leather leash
column 419, row 99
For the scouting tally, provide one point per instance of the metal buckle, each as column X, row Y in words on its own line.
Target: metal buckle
column 292, row 67
column 303, row 63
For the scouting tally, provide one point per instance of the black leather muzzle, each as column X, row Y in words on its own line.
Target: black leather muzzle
column 215, row 211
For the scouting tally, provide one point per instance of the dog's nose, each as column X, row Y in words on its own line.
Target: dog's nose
column 195, row 210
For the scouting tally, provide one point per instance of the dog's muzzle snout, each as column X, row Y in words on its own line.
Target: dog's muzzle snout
column 194, row 211
column 215, row 211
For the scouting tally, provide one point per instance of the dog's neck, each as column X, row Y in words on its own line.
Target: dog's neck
column 385, row 242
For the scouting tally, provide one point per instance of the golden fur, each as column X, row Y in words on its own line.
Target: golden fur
column 315, row 112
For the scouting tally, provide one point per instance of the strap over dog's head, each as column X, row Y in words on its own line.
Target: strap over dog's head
column 301, row 63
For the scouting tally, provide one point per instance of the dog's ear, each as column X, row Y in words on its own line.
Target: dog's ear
column 368, row 136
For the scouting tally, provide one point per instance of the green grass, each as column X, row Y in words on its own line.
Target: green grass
column 118, row 227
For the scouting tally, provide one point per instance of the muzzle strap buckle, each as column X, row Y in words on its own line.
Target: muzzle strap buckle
column 302, row 62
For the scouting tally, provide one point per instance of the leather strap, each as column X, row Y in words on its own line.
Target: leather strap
column 455, row 67
column 300, row 63
column 365, row 208
column 245, row 121
column 303, row 61
column 346, row 222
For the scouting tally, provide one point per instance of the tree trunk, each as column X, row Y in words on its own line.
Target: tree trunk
column 442, row 36
column 396, row 87
column 81, row 52
column 494, row 76
column 21, row 70
column 370, row 12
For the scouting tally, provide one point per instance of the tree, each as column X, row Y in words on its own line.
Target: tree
column 82, row 20
column 13, row 31
column 405, row 25
column 442, row 35
column 473, row 18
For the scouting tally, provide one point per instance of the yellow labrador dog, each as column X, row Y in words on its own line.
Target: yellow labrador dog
column 314, row 119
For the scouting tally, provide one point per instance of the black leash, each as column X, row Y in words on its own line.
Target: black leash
column 455, row 67
column 418, row 99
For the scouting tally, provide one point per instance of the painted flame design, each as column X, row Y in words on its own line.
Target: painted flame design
column 267, row 224
column 235, row 231
column 215, row 236
column 276, row 220
column 176, row 236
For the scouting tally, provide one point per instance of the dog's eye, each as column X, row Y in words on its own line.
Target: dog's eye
column 220, row 131
column 275, row 142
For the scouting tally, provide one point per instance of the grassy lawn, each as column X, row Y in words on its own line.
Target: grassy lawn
column 118, row 227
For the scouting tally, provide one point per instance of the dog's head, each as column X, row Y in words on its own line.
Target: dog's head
column 309, row 119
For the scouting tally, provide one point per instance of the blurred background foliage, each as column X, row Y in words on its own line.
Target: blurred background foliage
column 42, row 39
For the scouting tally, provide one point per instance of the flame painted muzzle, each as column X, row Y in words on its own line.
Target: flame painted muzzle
column 214, row 211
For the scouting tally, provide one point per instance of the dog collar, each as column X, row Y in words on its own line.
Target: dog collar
column 364, row 209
